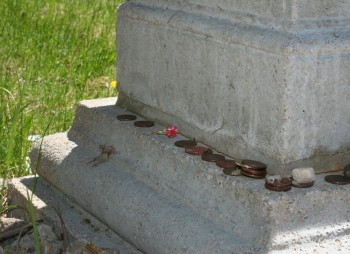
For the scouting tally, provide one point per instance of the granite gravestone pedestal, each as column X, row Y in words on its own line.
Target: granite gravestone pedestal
column 266, row 80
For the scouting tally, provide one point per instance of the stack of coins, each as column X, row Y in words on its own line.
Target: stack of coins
column 278, row 183
column 198, row 150
column 229, row 167
column 254, row 169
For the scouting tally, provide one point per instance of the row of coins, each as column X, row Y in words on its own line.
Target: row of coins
column 249, row 168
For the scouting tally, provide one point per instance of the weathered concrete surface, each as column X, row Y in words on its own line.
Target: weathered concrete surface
column 267, row 80
column 77, row 224
column 166, row 201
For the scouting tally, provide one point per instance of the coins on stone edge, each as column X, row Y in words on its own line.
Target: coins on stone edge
column 185, row 143
column 256, row 165
column 337, row 179
column 226, row 163
column 252, row 175
column 198, row 150
column 144, row 124
column 210, row 157
column 232, row 171
column 126, row 117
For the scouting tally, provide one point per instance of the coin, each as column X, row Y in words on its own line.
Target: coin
column 278, row 181
column 257, row 165
column 232, row 171
column 337, row 179
column 274, row 188
column 126, row 117
column 145, row 124
column 252, row 175
column 198, row 150
column 226, row 163
column 185, row 143
column 254, row 172
column 210, row 157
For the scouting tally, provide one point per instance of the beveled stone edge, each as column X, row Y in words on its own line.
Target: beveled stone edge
column 281, row 42
column 284, row 16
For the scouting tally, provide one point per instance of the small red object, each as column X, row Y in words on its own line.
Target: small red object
column 171, row 131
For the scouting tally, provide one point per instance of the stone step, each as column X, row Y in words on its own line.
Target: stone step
column 154, row 222
column 76, row 225
column 164, row 200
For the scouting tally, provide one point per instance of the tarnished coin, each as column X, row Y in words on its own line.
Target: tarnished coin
column 126, row 117
column 144, row 124
column 198, row 150
column 210, row 157
column 185, row 143
column 232, row 171
column 252, row 175
column 337, row 179
column 274, row 188
column 226, row 163
column 278, row 181
column 257, row 165
column 261, row 173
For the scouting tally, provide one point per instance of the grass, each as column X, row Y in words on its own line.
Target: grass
column 53, row 54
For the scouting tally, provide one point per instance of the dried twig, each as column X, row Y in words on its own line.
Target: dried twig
column 91, row 249
column 16, row 231
column 57, row 209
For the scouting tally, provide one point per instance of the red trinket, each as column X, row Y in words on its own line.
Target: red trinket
column 171, row 131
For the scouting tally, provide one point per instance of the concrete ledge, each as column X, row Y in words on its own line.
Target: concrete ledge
column 160, row 198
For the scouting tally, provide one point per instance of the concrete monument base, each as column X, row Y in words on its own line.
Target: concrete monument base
column 267, row 80
column 163, row 200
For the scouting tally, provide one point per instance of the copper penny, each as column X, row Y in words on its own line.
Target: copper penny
column 279, row 182
column 257, row 165
column 252, row 176
column 337, row 179
column 232, row 171
column 210, row 157
column 274, row 188
column 126, row 117
column 185, row 143
column 144, row 124
column 226, row 163
column 254, row 172
column 198, row 150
